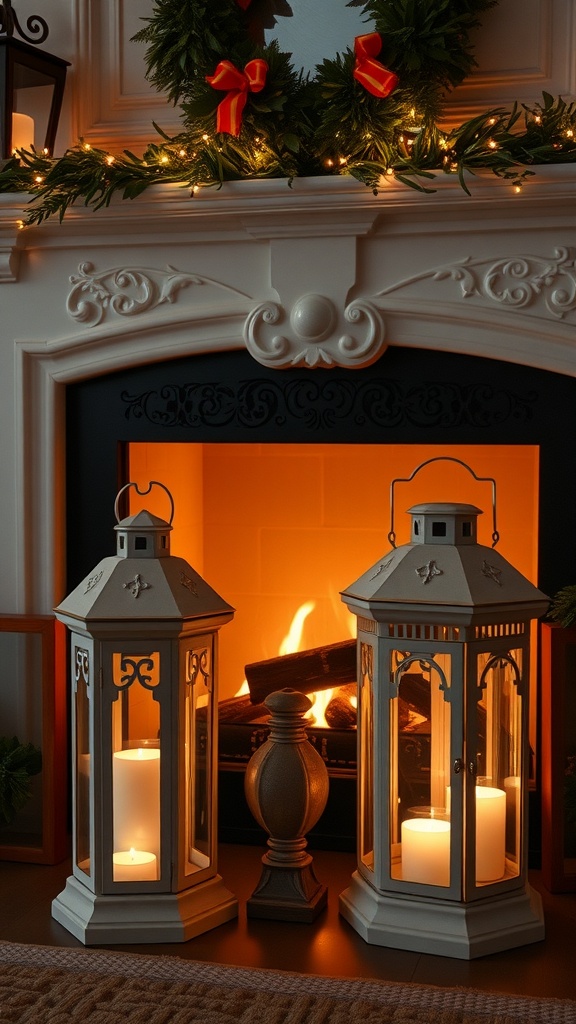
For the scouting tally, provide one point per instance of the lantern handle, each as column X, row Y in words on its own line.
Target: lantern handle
column 142, row 493
column 443, row 458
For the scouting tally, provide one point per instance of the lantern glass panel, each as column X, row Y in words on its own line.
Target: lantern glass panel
column 84, row 758
column 199, row 724
column 136, row 767
column 366, row 760
column 499, row 766
column 420, row 770
column 33, row 97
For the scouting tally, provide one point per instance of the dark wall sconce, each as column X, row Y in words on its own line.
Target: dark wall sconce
column 31, row 85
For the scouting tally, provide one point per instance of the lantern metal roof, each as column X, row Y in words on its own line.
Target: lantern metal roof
column 143, row 582
column 444, row 575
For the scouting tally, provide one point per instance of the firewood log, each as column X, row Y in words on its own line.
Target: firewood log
column 321, row 668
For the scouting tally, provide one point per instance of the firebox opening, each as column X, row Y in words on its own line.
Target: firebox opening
column 280, row 529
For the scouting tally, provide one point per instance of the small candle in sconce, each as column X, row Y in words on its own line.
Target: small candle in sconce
column 426, row 850
column 135, row 866
column 22, row 132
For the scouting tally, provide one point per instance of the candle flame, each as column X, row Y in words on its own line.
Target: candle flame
column 132, row 854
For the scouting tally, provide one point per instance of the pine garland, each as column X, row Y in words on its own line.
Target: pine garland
column 299, row 125
column 18, row 762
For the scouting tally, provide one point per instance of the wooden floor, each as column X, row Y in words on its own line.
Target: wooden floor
column 329, row 946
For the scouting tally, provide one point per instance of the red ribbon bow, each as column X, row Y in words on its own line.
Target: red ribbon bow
column 375, row 78
column 239, row 84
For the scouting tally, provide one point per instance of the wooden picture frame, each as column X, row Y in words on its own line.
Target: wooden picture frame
column 558, row 723
column 33, row 686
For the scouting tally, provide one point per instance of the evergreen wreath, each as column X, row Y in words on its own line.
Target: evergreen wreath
column 246, row 111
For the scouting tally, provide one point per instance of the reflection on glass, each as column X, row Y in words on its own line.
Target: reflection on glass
column 21, row 716
column 83, row 758
column 136, row 768
column 366, row 766
column 420, row 832
column 568, row 740
column 498, row 756
column 199, row 713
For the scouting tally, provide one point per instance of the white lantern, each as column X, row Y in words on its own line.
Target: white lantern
column 143, row 649
column 443, row 692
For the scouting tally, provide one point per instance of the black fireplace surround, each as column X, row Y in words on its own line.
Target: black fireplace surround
column 408, row 397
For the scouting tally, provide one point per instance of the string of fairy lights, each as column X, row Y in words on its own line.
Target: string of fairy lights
column 291, row 125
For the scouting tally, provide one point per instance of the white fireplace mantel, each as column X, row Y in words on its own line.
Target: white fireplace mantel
column 323, row 273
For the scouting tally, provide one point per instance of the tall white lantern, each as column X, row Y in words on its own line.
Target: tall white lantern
column 144, row 662
column 443, row 692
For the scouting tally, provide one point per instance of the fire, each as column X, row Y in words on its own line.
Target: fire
column 293, row 639
column 317, row 713
column 291, row 644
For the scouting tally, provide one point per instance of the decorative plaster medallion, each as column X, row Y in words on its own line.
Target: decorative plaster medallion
column 428, row 571
column 128, row 291
column 313, row 334
column 137, row 585
column 516, row 282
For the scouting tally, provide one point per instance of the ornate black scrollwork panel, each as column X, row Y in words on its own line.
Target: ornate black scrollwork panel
column 313, row 403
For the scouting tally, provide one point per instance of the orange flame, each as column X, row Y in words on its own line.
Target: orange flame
column 293, row 639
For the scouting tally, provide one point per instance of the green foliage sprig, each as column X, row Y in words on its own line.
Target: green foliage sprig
column 302, row 125
column 563, row 607
column 18, row 762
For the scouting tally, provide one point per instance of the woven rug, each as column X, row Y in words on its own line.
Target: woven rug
column 45, row 985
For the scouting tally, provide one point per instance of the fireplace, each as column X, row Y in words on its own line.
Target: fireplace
column 302, row 321
column 281, row 484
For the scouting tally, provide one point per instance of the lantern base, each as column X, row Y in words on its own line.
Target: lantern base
column 143, row 917
column 460, row 930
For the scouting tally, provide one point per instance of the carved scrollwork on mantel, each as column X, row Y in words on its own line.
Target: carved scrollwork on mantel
column 546, row 285
column 314, row 334
column 128, row 291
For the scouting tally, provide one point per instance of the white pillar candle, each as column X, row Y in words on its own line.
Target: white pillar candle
column 490, row 833
column 136, row 800
column 22, row 132
column 135, row 866
column 426, row 851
